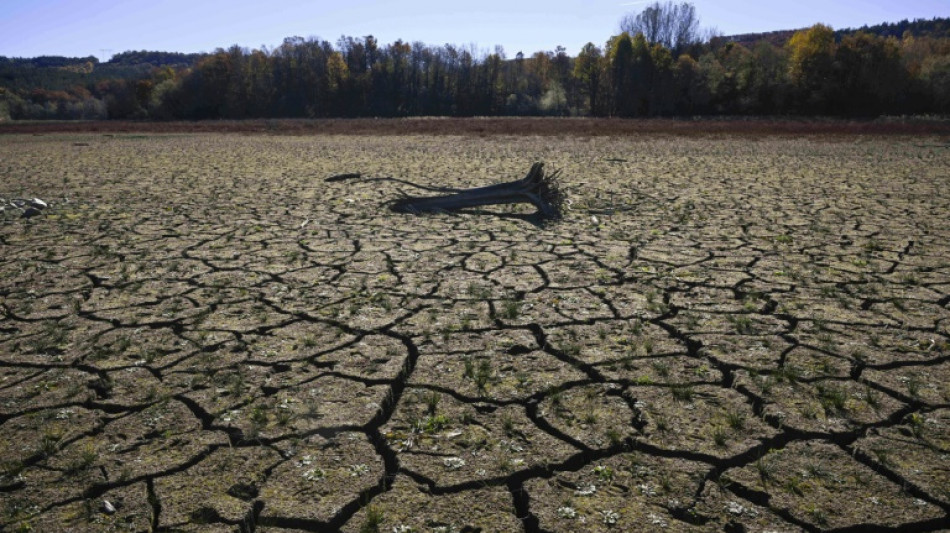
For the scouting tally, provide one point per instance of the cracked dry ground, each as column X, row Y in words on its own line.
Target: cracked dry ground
column 724, row 334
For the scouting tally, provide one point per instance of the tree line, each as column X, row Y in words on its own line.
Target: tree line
column 649, row 69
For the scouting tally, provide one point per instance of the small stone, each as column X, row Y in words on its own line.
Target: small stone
column 39, row 204
column 107, row 507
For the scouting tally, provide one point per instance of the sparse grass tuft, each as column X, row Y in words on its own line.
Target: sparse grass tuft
column 374, row 518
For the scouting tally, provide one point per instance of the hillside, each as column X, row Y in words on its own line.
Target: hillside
column 937, row 28
column 58, row 73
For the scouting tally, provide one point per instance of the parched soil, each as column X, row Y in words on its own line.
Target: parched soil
column 726, row 333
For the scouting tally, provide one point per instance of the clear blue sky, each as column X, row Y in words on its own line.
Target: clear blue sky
column 30, row 28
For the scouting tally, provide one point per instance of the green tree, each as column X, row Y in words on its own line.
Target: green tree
column 631, row 74
column 588, row 71
column 690, row 92
column 661, row 81
column 620, row 55
column 869, row 74
column 935, row 75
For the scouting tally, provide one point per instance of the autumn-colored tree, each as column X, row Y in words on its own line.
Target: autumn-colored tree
column 337, row 73
column 810, row 66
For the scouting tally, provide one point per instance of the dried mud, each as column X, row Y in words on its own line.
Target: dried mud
column 724, row 334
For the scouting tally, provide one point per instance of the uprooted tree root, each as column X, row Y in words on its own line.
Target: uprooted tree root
column 535, row 188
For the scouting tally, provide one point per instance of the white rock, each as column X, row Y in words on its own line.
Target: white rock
column 107, row 507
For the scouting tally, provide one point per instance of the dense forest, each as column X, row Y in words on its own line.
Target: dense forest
column 646, row 70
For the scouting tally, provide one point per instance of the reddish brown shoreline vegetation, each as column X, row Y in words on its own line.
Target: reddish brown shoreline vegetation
column 501, row 126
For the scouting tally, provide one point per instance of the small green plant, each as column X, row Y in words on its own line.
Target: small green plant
column 510, row 309
column 590, row 416
column 872, row 246
column 614, row 437
column 49, row 443
column 662, row 368
column 87, row 457
column 913, row 385
column 572, row 349
column 794, row 485
column 505, row 464
column 259, row 415
column 816, row 470
column 374, row 518
column 11, row 469
column 682, row 392
column 284, row 416
column 507, row 423
column 910, row 279
column 882, row 455
column 742, row 323
column 432, row 399
column 483, row 375
column 810, row 411
column 636, row 327
column 648, row 346
column 818, row 515
column 478, row 292
column 788, row 373
column 720, row 435
column 522, row 378
column 916, row 423
column 604, row 473
column 833, row 398
column 433, row 423
column 235, row 384
column 765, row 466
column 735, row 419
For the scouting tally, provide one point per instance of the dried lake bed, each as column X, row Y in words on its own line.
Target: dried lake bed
column 724, row 333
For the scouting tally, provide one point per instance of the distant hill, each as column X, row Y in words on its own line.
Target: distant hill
column 59, row 73
column 46, row 61
column 775, row 38
column 936, row 27
column 155, row 59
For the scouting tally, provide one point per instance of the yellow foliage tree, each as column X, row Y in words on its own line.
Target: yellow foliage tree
column 811, row 53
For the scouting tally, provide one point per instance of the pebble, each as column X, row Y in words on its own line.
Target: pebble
column 107, row 507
